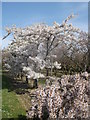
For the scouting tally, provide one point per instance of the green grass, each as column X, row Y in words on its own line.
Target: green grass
column 41, row 82
column 11, row 107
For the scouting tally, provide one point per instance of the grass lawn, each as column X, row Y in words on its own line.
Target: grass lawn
column 11, row 106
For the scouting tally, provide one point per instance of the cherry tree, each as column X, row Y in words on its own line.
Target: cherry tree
column 33, row 46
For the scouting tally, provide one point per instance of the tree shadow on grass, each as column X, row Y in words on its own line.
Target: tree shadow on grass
column 20, row 117
column 19, row 86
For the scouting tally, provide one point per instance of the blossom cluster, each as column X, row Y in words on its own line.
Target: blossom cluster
column 67, row 97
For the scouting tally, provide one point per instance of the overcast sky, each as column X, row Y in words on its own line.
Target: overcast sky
column 23, row 14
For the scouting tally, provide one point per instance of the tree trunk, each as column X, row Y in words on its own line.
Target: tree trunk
column 21, row 76
column 51, row 71
column 55, row 71
column 26, row 79
column 51, row 65
column 35, row 85
column 47, row 72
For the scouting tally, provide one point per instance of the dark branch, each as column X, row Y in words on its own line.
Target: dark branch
column 6, row 36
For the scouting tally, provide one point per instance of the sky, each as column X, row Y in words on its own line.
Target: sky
column 45, row 0
column 23, row 14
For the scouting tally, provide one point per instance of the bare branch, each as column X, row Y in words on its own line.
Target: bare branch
column 6, row 36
